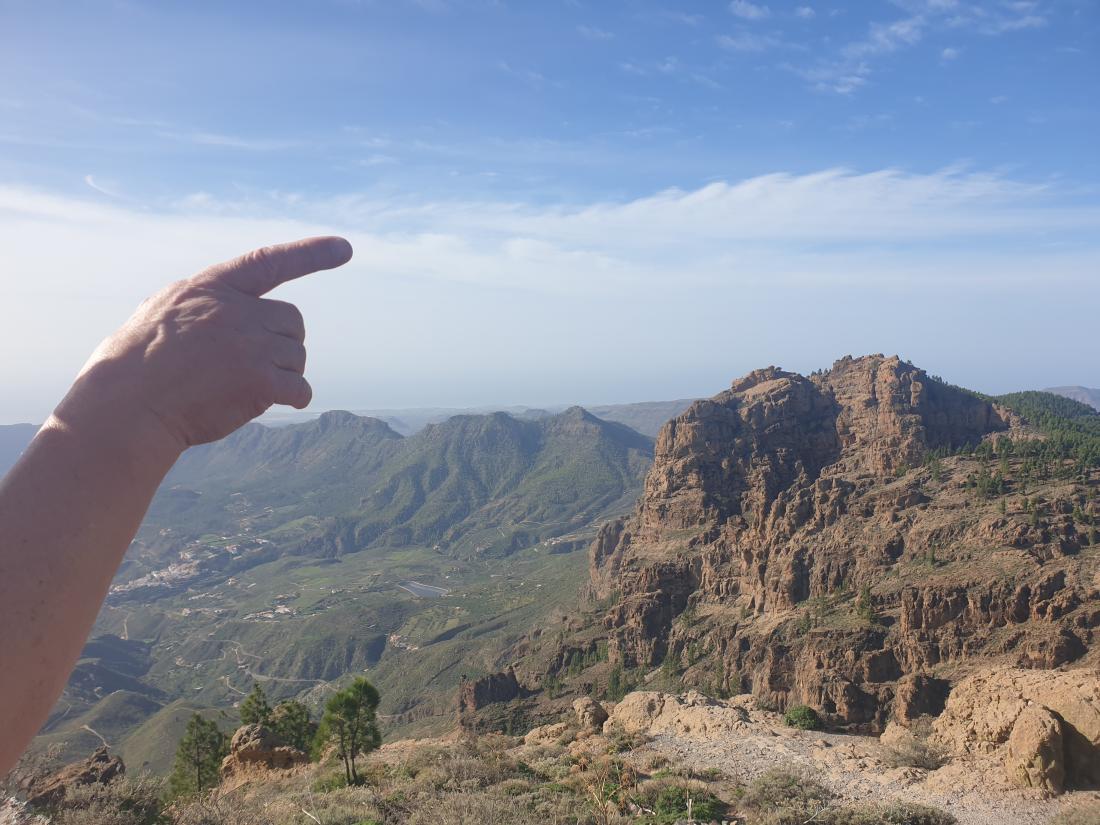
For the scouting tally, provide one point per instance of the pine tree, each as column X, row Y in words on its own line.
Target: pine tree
column 198, row 757
column 865, row 604
column 291, row 721
column 349, row 723
column 254, row 709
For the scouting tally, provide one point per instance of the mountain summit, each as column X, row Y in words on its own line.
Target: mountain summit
column 852, row 540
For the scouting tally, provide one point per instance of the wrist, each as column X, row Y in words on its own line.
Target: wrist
column 103, row 411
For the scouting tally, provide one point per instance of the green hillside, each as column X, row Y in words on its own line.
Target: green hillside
column 484, row 484
column 299, row 556
column 1071, row 429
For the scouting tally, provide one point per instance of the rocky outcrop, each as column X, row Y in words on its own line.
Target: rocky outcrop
column 255, row 747
column 590, row 714
column 475, row 694
column 49, row 790
column 692, row 714
column 1034, row 753
column 820, row 540
column 1045, row 726
column 546, row 734
column 917, row 695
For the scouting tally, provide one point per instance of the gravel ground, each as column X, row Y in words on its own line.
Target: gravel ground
column 850, row 766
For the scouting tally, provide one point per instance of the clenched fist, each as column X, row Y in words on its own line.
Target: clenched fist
column 208, row 354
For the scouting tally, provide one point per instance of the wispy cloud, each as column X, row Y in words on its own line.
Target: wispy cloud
column 678, row 17
column 805, row 12
column 850, row 68
column 593, row 33
column 748, row 42
column 688, row 231
column 529, row 76
column 231, row 141
column 749, row 11
column 824, row 241
column 103, row 188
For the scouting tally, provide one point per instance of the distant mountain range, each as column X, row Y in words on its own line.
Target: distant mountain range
column 647, row 417
column 473, row 484
column 1086, row 395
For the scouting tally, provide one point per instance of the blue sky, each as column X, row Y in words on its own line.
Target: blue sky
column 565, row 201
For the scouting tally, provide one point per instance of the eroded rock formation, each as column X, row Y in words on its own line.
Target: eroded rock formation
column 255, row 747
column 818, row 540
column 49, row 790
column 1044, row 725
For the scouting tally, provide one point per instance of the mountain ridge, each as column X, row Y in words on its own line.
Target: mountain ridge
column 827, row 540
column 1085, row 395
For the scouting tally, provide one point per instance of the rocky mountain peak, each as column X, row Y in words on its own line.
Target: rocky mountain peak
column 731, row 456
column 847, row 500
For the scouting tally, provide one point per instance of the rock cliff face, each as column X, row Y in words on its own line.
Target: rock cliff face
column 474, row 694
column 816, row 540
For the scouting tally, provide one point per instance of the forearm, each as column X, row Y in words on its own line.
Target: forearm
column 195, row 362
column 68, row 511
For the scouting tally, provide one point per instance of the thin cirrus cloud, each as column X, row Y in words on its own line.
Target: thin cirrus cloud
column 483, row 241
column 850, row 67
column 229, row 141
column 476, row 274
column 749, row 11
column 748, row 42
column 594, row 33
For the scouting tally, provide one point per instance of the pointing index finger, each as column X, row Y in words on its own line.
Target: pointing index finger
column 263, row 269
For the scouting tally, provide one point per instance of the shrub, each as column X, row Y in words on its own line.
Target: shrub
column 802, row 717
column 621, row 741
column 914, row 750
column 216, row 809
column 780, row 797
column 896, row 813
column 125, row 801
column 668, row 799
column 911, row 752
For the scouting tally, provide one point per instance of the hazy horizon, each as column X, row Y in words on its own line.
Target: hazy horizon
column 631, row 201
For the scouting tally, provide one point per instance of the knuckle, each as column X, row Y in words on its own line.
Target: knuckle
column 262, row 259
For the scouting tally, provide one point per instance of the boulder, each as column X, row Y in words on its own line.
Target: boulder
column 590, row 713
column 1034, row 755
column 546, row 734
column 692, row 714
column 98, row 769
column 258, row 747
column 984, row 709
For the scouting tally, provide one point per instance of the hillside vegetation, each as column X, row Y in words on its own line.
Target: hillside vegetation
column 286, row 555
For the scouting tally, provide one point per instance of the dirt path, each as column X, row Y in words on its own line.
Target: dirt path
column 851, row 767
column 106, row 744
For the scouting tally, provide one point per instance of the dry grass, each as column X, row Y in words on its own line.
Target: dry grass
column 915, row 749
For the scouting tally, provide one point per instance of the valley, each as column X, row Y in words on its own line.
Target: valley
column 858, row 542
column 263, row 561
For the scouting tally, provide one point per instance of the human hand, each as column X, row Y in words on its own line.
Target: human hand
column 207, row 354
